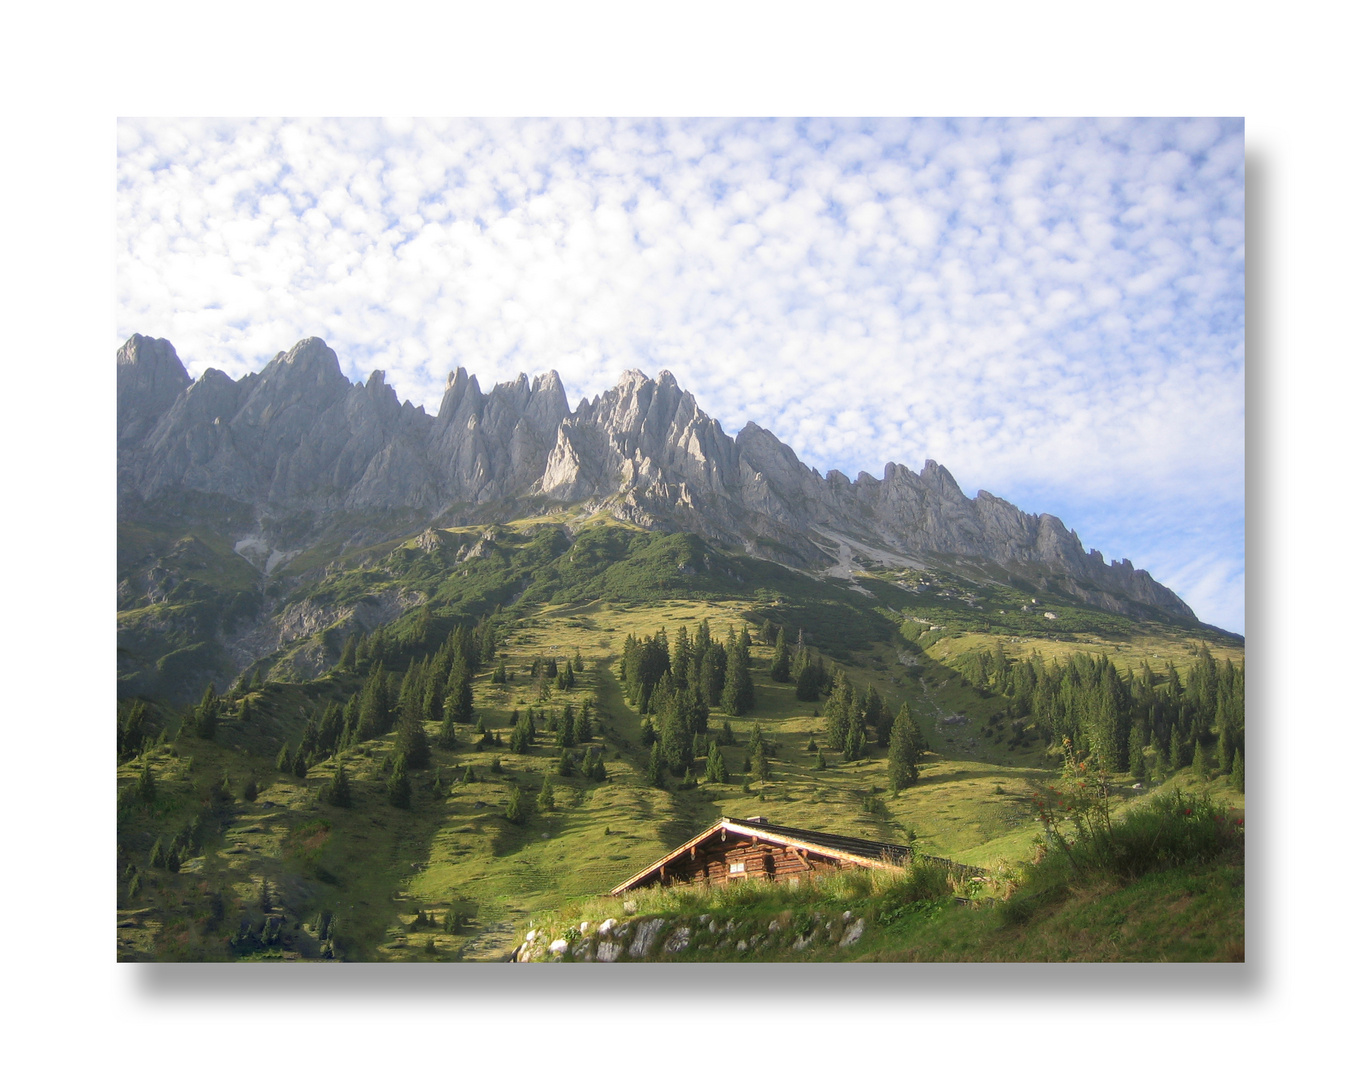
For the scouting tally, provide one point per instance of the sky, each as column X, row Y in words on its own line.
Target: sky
column 1052, row 309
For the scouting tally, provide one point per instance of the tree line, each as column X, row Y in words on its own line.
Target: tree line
column 1118, row 717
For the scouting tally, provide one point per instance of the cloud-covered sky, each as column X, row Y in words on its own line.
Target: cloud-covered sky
column 1054, row 310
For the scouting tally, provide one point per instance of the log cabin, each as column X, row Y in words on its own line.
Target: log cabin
column 734, row 849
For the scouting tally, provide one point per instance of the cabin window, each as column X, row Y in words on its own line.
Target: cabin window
column 737, row 868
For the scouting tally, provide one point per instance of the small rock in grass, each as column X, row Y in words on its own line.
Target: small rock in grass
column 853, row 934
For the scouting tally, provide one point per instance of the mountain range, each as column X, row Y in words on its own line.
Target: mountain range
column 304, row 451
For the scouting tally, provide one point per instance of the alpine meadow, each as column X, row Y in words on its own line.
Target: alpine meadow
column 489, row 676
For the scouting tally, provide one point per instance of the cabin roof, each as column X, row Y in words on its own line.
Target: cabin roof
column 853, row 849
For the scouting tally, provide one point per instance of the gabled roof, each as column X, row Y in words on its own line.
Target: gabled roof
column 852, row 849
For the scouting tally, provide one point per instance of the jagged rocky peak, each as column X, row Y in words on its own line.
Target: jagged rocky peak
column 298, row 436
column 150, row 378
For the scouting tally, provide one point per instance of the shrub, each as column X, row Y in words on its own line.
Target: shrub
column 1165, row 830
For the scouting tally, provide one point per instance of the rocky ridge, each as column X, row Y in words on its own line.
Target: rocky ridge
column 298, row 438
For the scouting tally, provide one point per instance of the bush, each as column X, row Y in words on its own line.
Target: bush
column 1165, row 830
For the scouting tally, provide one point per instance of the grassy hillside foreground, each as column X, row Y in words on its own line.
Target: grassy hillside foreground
column 224, row 854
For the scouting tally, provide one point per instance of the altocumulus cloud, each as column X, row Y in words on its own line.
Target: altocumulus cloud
column 1052, row 309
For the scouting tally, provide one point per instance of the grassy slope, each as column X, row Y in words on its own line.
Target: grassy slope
column 376, row 866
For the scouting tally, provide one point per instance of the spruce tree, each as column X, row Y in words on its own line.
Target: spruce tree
column 716, row 772
column 1237, row 772
column 565, row 763
column 780, row 666
column 399, row 787
column 412, row 743
column 338, row 791
column 284, row 762
column 738, row 694
column 146, row 784
column 515, row 808
column 545, row 801
column 206, row 715
column 905, row 751
column 806, row 683
column 761, row 768
column 655, row 766
column 1200, row 765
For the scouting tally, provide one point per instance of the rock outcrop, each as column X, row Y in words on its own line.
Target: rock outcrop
column 298, row 438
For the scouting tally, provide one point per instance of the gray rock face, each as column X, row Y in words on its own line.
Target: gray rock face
column 299, row 437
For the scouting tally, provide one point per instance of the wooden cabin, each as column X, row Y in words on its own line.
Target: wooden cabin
column 736, row 848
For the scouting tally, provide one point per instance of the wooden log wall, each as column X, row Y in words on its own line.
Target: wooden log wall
column 762, row 860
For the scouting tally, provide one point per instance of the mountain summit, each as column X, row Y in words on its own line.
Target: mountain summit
column 303, row 452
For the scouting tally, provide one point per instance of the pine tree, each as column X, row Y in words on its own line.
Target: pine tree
column 545, row 802
column 469, row 776
column 284, row 762
column 146, row 784
column 806, row 683
column 780, row 666
column 739, row 694
column 412, row 743
column 375, row 708
column 822, row 762
column 1200, row 765
column 761, row 769
column 655, row 766
column 206, row 715
column 905, row 751
column 338, row 791
column 855, row 745
column 716, row 772
column 299, row 765
column 515, row 808
column 1237, row 772
column 565, row 763
column 399, row 787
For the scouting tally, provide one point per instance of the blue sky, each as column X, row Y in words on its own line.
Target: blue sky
column 1054, row 310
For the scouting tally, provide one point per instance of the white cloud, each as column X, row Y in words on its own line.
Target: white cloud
column 1053, row 308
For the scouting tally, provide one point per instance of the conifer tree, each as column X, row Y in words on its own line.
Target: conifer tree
column 399, row 787
column 299, row 765
column 738, row 693
column 338, row 791
column 565, row 763
column 545, row 802
column 876, row 716
column 206, row 715
column 1237, row 772
column 726, row 737
column 375, row 708
column 515, row 808
column 761, row 768
column 459, row 698
column 780, row 666
column 655, row 766
column 806, row 683
column 1200, row 765
column 348, row 654
column 284, row 762
column 412, row 742
column 146, row 784
column 822, row 762
column 716, row 772
column 905, row 751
